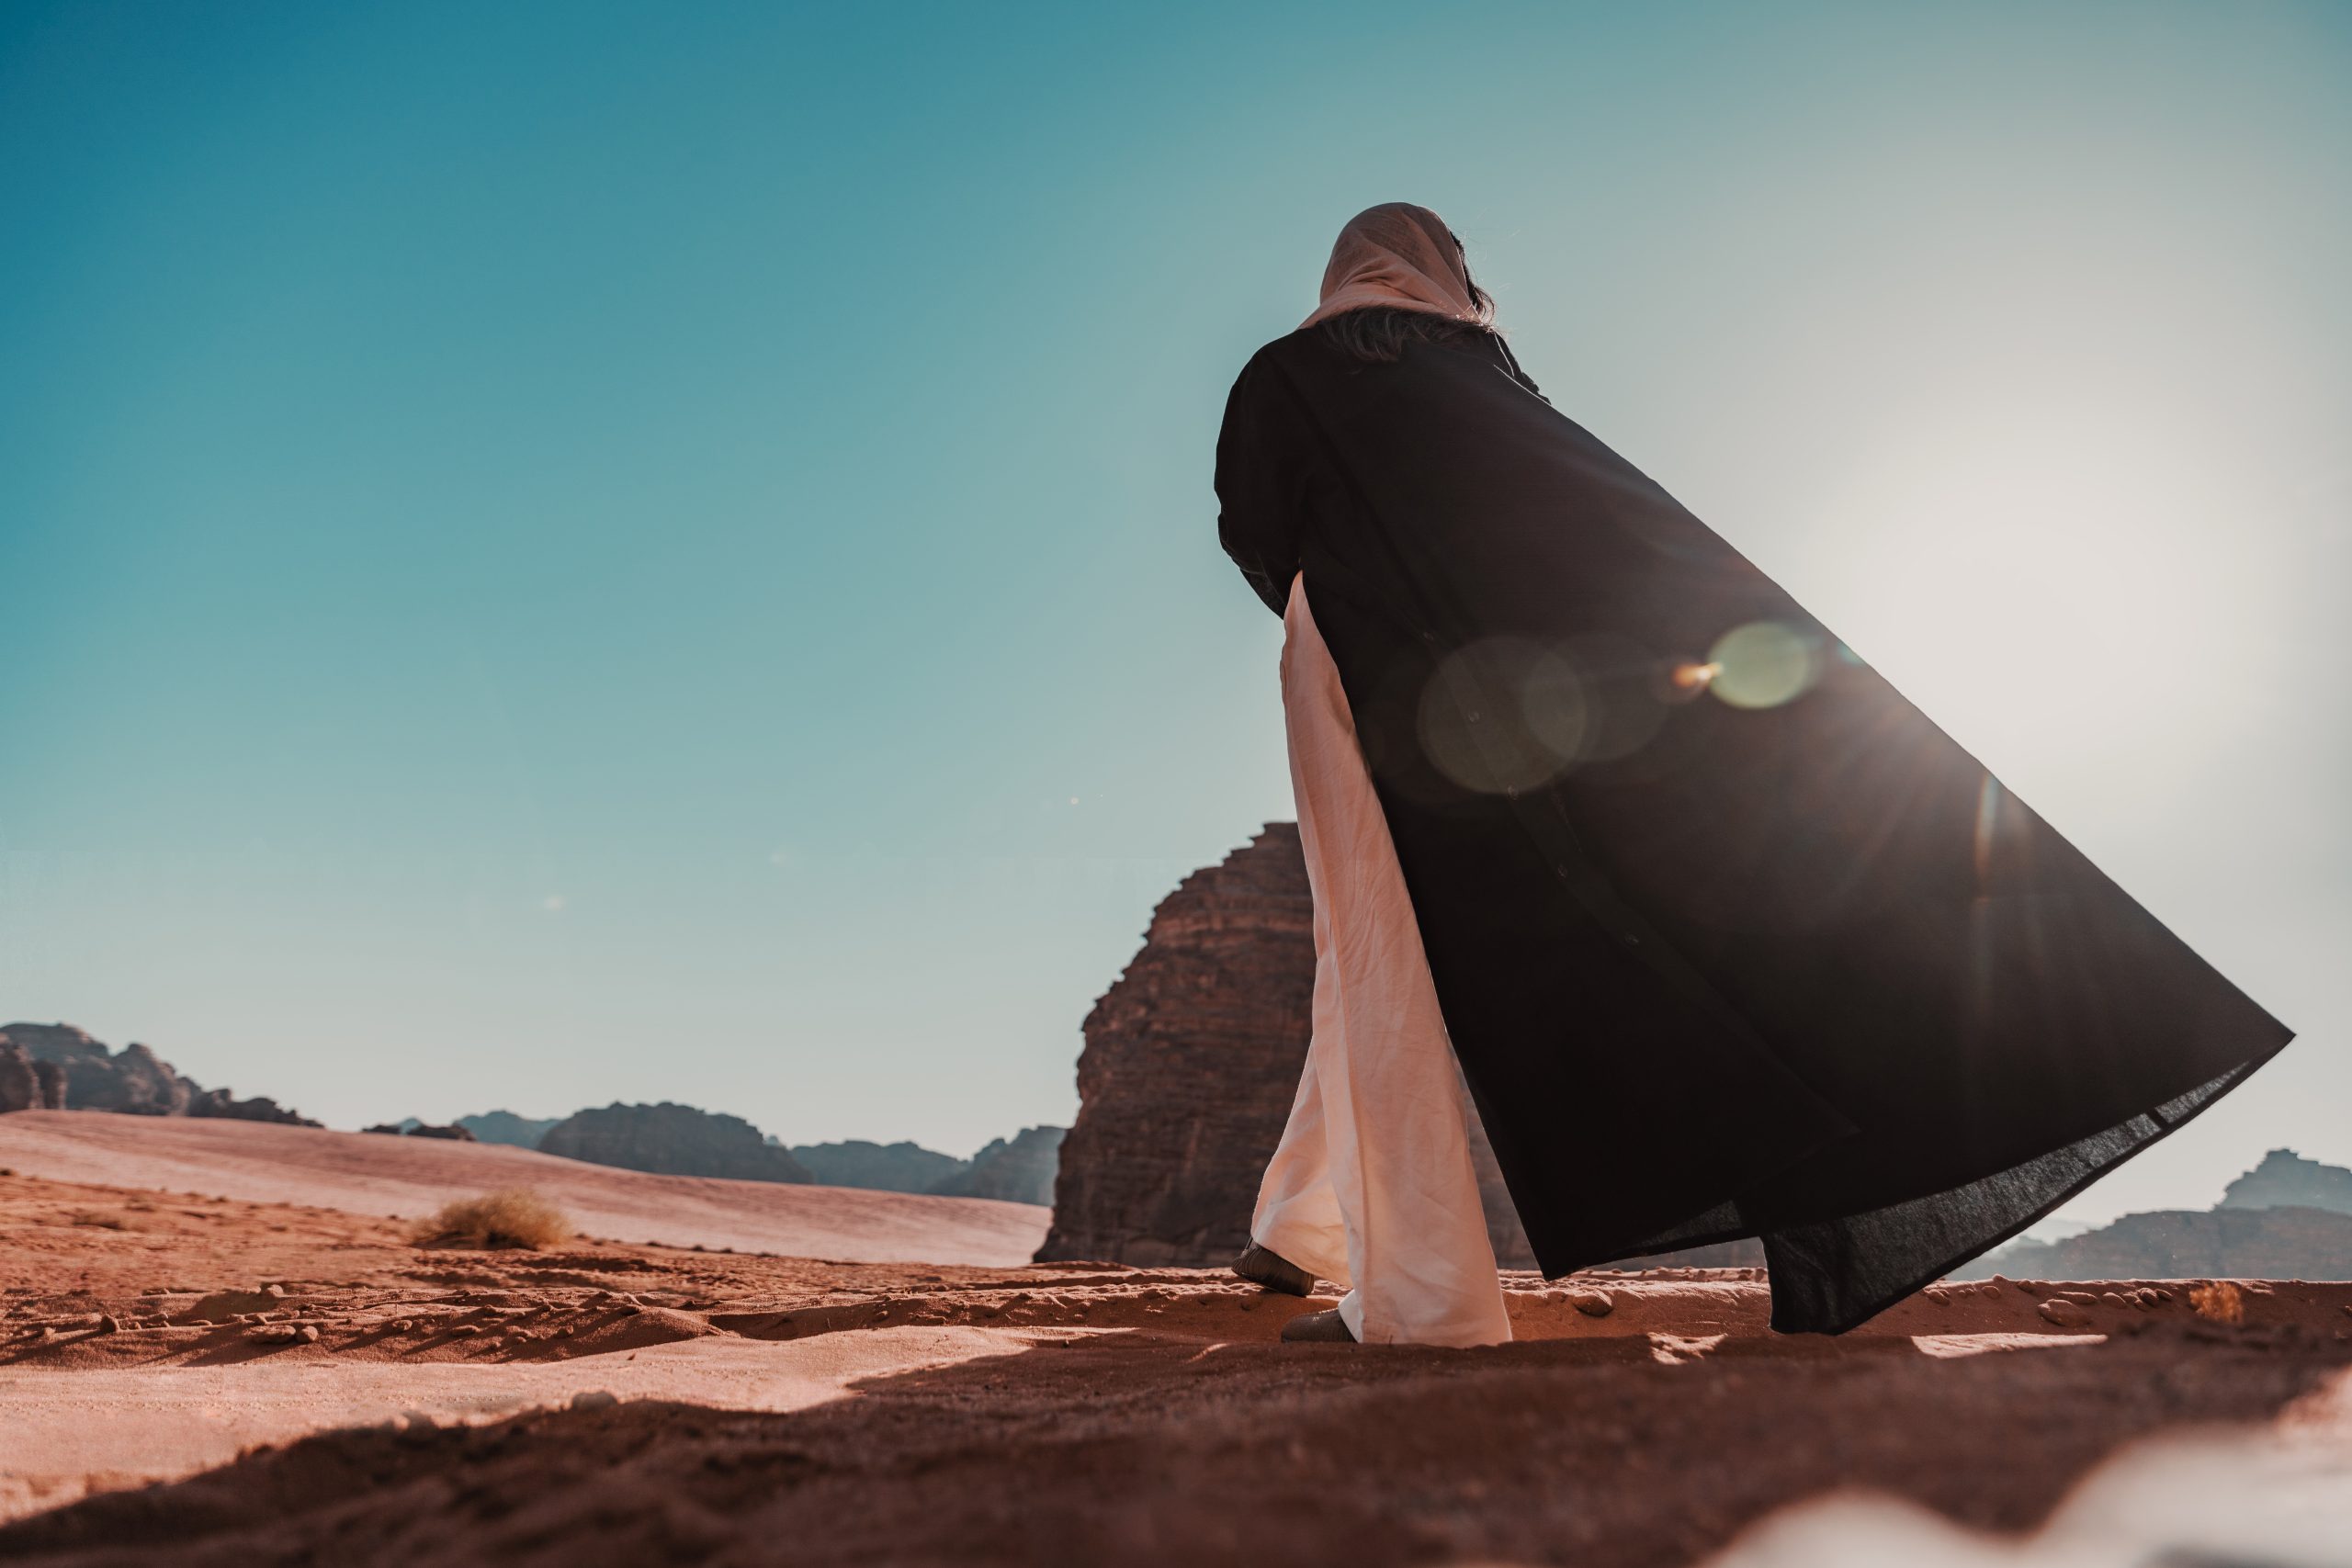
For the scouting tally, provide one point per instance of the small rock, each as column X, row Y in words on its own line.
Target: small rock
column 594, row 1399
column 465, row 1329
column 226, row 1306
column 405, row 1326
column 273, row 1290
column 2061, row 1313
column 1592, row 1303
column 308, row 1334
column 109, row 1323
column 2111, row 1298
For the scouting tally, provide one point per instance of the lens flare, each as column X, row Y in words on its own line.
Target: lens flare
column 1694, row 677
column 1502, row 715
column 1762, row 665
column 1618, row 679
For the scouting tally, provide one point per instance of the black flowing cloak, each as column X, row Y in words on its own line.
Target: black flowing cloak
column 1753, row 949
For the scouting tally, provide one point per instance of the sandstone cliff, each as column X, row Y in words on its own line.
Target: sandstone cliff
column 672, row 1140
column 2286, row 1181
column 88, row 1076
column 1190, row 1064
column 27, row 1084
column 2187, row 1244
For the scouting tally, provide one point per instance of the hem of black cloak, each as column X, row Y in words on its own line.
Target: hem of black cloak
column 1808, row 1127
column 1782, row 1322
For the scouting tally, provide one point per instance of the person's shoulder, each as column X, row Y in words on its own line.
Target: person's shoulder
column 1283, row 350
column 1273, row 365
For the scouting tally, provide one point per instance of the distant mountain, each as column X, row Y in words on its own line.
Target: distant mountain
column 2286, row 1181
column 885, row 1167
column 506, row 1127
column 1019, row 1171
column 2184, row 1243
column 673, row 1137
column 2288, row 1218
column 672, row 1140
column 82, row 1073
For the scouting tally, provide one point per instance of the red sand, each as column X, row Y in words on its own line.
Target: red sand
column 373, row 1174
column 785, row 1408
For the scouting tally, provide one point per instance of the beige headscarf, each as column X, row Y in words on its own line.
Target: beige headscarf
column 1397, row 254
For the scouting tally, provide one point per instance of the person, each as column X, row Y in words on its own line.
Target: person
column 1620, row 855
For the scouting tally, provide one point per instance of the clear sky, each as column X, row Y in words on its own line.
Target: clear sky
column 556, row 553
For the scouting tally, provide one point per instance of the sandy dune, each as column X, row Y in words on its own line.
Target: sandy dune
column 220, row 1380
column 368, row 1174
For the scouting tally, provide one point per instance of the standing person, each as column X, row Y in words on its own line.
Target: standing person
column 1617, row 850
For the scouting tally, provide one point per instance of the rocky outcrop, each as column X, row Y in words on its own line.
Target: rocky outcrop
column 1019, row 1171
column 1190, row 1065
column 2288, row 1218
column 27, row 1084
column 2285, row 1179
column 259, row 1108
column 86, row 1075
column 884, row 1167
column 506, row 1127
column 2187, row 1244
column 415, row 1129
column 672, row 1140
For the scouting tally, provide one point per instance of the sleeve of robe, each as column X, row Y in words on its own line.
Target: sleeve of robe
column 1261, row 484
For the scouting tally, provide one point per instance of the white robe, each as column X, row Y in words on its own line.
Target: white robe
column 1373, row 1186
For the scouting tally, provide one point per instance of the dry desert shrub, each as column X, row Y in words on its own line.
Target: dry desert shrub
column 2220, row 1302
column 515, row 1216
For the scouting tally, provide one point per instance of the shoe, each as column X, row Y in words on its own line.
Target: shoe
column 1274, row 1272
column 1318, row 1328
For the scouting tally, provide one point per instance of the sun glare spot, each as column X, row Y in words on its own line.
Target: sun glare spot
column 1761, row 665
column 1694, row 677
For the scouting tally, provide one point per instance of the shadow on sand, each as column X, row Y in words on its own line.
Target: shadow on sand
column 1133, row 1449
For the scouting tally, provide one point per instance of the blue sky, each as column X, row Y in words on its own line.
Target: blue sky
column 565, row 553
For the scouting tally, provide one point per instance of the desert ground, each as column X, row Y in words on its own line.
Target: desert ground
column 221, row 1346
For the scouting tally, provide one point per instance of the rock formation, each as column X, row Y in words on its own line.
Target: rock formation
column 2286, row 1181
column 1019, row 1171
column 672, row 1140
column 1189, row 1068
column 85, row 1076
column 27, row 1084
column 411, row 1128
column 2187, row 1244
column 2288, row 1218
column 885, row 1167
column 506, row 1127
